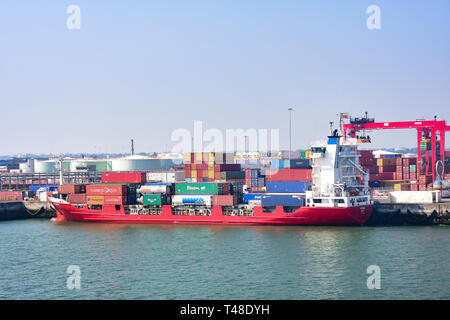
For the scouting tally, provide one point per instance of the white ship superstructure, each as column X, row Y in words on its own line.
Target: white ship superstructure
column 338, row 180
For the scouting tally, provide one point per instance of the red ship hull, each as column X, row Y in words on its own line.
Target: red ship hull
column 351, row 216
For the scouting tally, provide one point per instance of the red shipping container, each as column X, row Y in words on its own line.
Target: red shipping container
column 224, row 200
column 289, row 175
column 78, row 198
column 374, row 177
column 399, row 162
column 105, row 190
column 71, row 188
column 387, row 169
column 187, row 173
column 123, row 177
column 414, row 187
column 216, row 175
column 447, row 176
column 115, row 200
column 386, row 176
column 412, row 175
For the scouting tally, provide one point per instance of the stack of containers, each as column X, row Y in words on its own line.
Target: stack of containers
column 74, row 193
column 387, row 169
column 211, row 167
column 425, row 182
column 156, row 194
column 11, row 195
column 255, row 179
column 132, row 181
column 106, row 194
column 285, row 193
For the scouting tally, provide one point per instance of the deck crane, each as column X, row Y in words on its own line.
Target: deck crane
column 430, row 134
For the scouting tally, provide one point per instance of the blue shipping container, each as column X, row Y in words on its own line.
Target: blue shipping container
column 273, row 200
column 287, row 187
column 251, row 196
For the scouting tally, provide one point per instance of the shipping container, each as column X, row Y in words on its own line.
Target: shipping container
column 115, row 200
column 107, row 189
column 251, row 196
column 71, row 188
column 156, row 188
column 95, row 199
column 287, row 186
column 226, row 175
column 124, row 177
column 154, row 199
column 168, row 176
column 192, row 200
column 202, row 188
column 11, row 195
column 77, row 198
column 272, row 200
column 386, row 162
column 224, row 200
column 289, row 175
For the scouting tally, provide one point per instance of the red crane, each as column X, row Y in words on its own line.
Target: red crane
column 427, row 131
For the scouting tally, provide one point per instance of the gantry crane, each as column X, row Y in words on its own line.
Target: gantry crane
column 428, row 132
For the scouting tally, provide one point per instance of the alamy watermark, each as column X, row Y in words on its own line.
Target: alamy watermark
column 74, row 280
column 374, row 20
column 214, row 140
column 374, row 280
column 73, row 22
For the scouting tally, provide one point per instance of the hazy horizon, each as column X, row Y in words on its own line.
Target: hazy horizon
column 143, row 69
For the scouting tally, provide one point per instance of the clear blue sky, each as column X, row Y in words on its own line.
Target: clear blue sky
column 141, row 69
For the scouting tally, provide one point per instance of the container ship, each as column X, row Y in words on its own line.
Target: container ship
column 330, row 188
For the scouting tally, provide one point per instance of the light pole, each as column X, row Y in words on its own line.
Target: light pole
column 290, row 134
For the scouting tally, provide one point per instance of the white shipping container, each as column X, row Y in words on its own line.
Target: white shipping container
column 415, row 196
column 154, row 189
column 165, row 176
column 179, row 200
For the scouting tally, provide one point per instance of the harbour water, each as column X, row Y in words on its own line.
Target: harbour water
column 218, row 262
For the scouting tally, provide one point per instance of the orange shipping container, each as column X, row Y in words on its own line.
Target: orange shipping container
column 95, row 199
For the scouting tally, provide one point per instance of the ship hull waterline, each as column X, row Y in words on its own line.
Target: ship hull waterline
column 319, row 216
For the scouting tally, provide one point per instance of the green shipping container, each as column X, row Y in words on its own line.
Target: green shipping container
column 412, row 168
column 303, row 155
column 154, row 199
column 198, row 188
